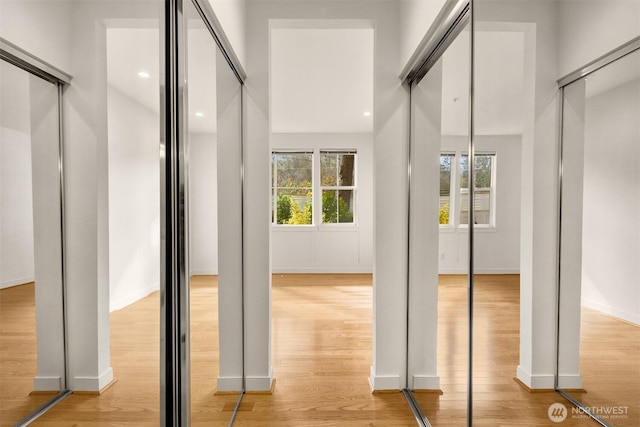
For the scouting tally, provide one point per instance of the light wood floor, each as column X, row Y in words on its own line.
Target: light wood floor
column 321, row 359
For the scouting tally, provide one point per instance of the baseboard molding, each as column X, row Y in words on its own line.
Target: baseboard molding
column 570, row 382
column 535, row 382
column 424, row 383
column 259, row 384
column 230, row 385
column 120, row 303
column 16, row 282
column 328, row 270
column 634, row 319
column 204, row 272
column 93, row 384
column 47, row 384
column 380, row 383
column 480, row 271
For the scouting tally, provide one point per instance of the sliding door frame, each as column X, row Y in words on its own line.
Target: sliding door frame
column 174, row 281
column 583, row 72
column 14, row 55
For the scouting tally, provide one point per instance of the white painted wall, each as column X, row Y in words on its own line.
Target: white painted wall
column 16, row 200
column 203, row 203
column 589, row 29
column 497, row 249
column 16, row 208
column 611, row 231
column 41, row 27
column 416, row 17
column 134, row 200
column 328, row 248
column 232, row 15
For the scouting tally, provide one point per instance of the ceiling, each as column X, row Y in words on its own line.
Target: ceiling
column 322, row 79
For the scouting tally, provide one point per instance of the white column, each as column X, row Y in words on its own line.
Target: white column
column 426, row 132
column 229, row 158
column 87, row 236
column 47, row 234
column 571, row 238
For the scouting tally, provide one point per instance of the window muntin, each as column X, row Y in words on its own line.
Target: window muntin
column 292, row 188
column 337, row 178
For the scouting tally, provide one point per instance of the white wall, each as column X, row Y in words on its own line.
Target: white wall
column 590, row 28
column 232, row 15
column 134, row 200
column 329, row 248
column 611, row 231
column 42, row 28
column 416, row 17
column 497, row 249
column 16, row 201
column 203, row 203
column 16, row 208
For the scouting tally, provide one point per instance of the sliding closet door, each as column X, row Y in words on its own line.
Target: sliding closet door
column 32, row 338
column 599, row 341
column 214, row 200
column 439, row 237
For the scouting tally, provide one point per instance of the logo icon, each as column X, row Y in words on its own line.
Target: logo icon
column 557, row 412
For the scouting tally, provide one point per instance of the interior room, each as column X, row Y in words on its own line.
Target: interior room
column 319, row 212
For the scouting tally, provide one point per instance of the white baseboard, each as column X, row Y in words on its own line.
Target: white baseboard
column 257, row 383
column 383, row 382
column 47, row 384
column 93, row 383
column 612, row 311
column 426, row 382
column 570, row 381
column 480, row 271
column 229, row 384
column 535, row 381
column 204, row 272
column 120, row 303
column 328, row 270
column 16, row 282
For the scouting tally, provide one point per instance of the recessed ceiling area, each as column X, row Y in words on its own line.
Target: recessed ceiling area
column 321, row 80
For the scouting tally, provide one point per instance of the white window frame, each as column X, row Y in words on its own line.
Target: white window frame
column 353, row 188
column 456, row 192
column 274, row 188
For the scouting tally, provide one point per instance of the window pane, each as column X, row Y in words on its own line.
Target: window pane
column 337, row 206
column 292, row 188
column 294, row 169
column 482, row 193
column 337, row 169
column 445, row 188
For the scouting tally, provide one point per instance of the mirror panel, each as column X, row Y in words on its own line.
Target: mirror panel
column 32, row 353
column 600, row 253
column 439, row 239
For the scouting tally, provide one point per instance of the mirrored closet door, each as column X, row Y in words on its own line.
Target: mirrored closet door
column 599, row 322
column 32, row 338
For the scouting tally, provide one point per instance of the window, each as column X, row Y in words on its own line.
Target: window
column 446, row 161
column 292, row 189
column 337, row 177
column 484, row 189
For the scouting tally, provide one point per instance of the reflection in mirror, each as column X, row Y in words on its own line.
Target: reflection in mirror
column 438, row 241
column 32, row 359
column 215, row 234
column 599, row 329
